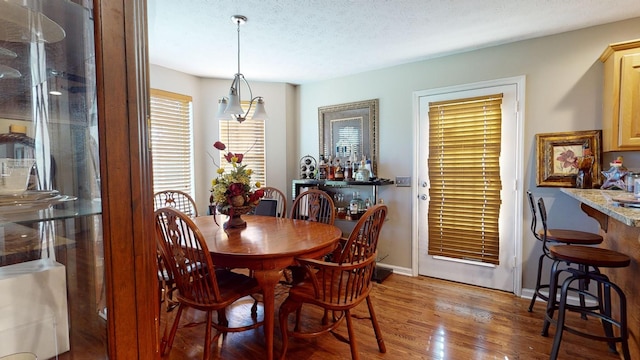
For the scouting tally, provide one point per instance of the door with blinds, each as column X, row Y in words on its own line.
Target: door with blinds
column 469, row 222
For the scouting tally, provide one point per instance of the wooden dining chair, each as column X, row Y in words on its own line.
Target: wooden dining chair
column 181, row 201
column 175, row 199
column 200, row 285
column 338, row 285
column 312, row 205
column 281, row 200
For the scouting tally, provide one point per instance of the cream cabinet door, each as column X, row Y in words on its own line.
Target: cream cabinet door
column 629, row 119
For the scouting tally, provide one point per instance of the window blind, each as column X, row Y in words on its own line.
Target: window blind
column 171, row 141
column 464, row 174
column 247, row 138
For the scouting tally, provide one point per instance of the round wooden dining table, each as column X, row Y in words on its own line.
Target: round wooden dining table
column 267, row 246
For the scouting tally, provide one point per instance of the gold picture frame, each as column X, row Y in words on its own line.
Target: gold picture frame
column 350, row 126
column 558, row 154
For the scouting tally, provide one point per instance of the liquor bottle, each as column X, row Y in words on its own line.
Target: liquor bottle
column 348, row 175
column 331, row 172
column 339, row 173
column 353, row 158
column 367, row 204
column 368, row 167
column 355, row 205
column 322, row 168
column 362, row 174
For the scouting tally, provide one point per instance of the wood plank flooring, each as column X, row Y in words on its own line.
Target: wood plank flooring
column 420, row 318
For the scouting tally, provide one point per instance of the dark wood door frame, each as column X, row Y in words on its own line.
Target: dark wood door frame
column 126, row 176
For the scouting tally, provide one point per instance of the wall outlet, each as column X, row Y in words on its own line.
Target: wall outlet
column 403, row 181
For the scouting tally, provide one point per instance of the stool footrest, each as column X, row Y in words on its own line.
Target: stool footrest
column 603, row 312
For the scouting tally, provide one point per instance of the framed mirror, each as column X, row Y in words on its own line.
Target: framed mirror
column 350, row 127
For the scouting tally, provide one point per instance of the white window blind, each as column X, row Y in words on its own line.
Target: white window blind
column 171, row 141
column 464, row 173
column 246, row 138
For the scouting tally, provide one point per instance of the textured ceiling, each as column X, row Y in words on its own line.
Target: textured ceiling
column 300, row 41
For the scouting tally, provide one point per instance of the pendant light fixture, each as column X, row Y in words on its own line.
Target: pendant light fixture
column 229, row 107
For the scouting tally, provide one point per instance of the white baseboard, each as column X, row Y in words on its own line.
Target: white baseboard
column 528, row 294
column 397, row 269
column 525, row 294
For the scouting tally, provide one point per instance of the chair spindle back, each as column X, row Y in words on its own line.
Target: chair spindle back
column 314, row 205
column 186, row 255
column 175, row 199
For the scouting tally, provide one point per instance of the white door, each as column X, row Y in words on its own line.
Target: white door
column 506, row 275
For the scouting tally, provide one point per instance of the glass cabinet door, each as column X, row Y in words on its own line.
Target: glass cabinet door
column 52, row 291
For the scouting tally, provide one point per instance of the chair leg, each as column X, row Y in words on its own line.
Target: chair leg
column 376, row 327
column 207, row 335
column 561, row 313
column 254, row 308
column 624, row 330
column 222, row 317
column 583, row 285
column 164, row 340
column 537, row 288
column 325, row 317
column 551, row 302
column 352, row 336
column 286, row 308
column 174, row 328
column 606, row 310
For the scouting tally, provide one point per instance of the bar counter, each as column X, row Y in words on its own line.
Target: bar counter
column 620, row 227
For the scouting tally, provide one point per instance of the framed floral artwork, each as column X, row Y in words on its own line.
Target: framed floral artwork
column 558, row 155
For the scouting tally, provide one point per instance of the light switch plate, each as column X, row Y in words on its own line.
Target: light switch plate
column 403, row 181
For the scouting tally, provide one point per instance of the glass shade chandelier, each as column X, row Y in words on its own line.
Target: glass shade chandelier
column 229, row 107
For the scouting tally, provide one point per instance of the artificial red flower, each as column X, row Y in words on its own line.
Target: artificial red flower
column 236, row 189
column 255, row 197
column 220, row 146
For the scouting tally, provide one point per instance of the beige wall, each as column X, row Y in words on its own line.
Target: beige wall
column 280, row 104
column 563, row 93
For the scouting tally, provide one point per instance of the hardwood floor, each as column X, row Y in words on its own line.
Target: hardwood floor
column 420, row 318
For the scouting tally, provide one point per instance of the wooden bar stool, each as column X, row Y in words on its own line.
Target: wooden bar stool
column 589, row 261
column 558, row 236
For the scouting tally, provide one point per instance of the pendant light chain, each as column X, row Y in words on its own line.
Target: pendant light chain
column 238, row 22
column 239, row 73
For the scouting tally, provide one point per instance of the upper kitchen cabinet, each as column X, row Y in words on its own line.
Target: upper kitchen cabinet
column 621, row 99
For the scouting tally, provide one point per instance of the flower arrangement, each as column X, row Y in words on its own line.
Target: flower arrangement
column 233, row 189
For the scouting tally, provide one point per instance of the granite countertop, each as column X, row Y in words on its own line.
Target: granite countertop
column 601, row 200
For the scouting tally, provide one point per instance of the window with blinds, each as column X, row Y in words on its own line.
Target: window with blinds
column 246, row 138
column 464, row 176
column 171, row 141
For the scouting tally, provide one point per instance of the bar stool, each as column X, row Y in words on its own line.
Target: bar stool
column 589, row 261
column 559, row 236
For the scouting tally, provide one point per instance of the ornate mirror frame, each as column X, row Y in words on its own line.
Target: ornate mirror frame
column 350, row 126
